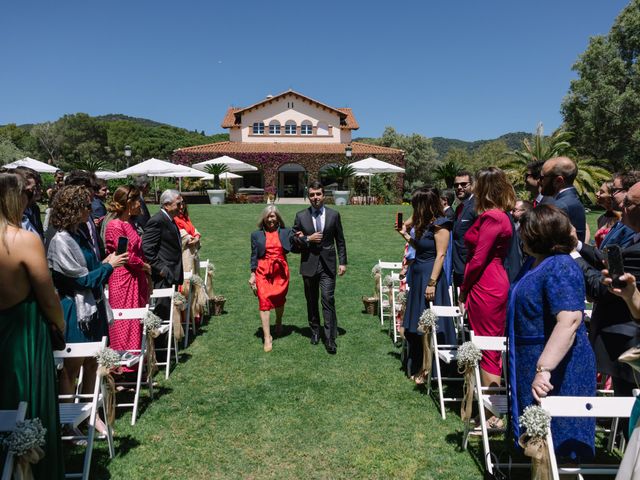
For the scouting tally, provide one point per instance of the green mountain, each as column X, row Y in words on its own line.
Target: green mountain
column 443, row 145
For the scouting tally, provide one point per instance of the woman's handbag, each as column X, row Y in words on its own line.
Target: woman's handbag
column 57, row 338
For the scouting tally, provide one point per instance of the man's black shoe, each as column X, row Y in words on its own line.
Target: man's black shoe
column 331, row 347
column 315, row 338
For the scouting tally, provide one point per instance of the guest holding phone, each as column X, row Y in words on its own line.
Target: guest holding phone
column 128, row 286
column 269, row 269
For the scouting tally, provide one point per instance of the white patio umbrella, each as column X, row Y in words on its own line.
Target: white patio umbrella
column 373, row 166
column 155, row 167
column 36, row 165
column 232, row 164
column 179, row 174
column 108, row 174
column 226, row 176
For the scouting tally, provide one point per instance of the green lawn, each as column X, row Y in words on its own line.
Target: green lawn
column 231, row 411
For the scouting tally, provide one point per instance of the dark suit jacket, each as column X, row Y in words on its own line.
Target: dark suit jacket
column 140, row 221
column 450, row 213
column 572, row 206
column 162, row 249
column 460, row 227
column 259, row 244
column 325, row 251
column 612, row 329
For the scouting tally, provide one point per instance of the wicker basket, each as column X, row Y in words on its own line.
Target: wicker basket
column 370, row 305
column 216, row 305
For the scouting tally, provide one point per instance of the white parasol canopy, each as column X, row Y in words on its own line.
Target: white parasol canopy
column 371, row 166
column 232, row 164
column 155, row 167
column 191, row 172
column 36, row 165
column 108, row 174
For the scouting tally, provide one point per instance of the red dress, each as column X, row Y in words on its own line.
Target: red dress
column 272, row 274
column 485, row 280
column 128, row 286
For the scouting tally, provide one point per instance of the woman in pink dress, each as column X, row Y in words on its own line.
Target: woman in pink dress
column 485, row 289
column 128, row 287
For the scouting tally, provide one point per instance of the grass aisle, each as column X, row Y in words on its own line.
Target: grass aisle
column 232, row 411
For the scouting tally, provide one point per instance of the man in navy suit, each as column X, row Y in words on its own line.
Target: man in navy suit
column 321, row 234
column 465, row 216
column 556, row 179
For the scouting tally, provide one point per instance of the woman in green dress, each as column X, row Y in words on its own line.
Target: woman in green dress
column 29, row 308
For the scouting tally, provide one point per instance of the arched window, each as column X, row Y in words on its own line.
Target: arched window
column 274, row 127
column 258, row 128
column 322, row 128
column 290, row 127
column 306, row 128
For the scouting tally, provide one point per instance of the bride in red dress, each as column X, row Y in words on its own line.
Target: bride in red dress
column 269, row 269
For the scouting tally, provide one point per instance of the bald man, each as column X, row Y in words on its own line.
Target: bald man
column 613, row 330
column 556, row 180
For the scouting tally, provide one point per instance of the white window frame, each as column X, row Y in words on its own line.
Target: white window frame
column 306, row 128
column 288, row 126
column 258, row 128
column 274, row 128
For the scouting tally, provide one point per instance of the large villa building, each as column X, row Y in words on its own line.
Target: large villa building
column 290, row 138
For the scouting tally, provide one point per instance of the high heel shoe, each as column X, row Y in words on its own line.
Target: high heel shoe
column 268, row 344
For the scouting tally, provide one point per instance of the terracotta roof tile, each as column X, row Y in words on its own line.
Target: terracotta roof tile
column 230, row 118
column 350, row 121
column 327, row 148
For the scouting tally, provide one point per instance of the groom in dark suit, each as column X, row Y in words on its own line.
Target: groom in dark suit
column 162, row 248
column 320, row 233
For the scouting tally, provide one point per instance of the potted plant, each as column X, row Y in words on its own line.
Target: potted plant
column 341, row 173
column 216, row 195
column 270, row 194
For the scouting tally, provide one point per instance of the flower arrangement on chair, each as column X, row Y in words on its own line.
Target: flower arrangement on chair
column 537, row 422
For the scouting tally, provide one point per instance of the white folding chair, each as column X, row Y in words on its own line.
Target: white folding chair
column 204, row 273
column 598, row 407
column 385, row 304
column 493, row 399
column 443, row 353
column 189, row 323
column 8, row 421
column 135, row 357
column 73, row 414
column 167, row 327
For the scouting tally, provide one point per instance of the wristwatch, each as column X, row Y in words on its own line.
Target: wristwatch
column 540, row 369
column 431, row 283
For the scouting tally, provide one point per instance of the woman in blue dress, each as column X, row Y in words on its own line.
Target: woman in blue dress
column 549, row 351
column 425, row 278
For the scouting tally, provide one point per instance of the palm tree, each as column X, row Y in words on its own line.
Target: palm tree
column 447, row 172
column 216, row 170
column 340, row 173
column 539, row 148
column 590, row 177
column 89, row 164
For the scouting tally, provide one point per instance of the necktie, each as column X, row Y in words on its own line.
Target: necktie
column 318, row 221
column 459, row 210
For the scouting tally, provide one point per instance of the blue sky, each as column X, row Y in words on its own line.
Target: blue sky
column 462, row 69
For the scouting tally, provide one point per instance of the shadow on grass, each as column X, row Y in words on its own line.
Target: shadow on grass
column 74, row 456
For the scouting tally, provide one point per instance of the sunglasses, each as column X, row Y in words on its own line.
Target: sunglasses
column 461, row 184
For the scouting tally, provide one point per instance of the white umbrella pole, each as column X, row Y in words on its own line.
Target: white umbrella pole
column 180, row 184
column 369, row 196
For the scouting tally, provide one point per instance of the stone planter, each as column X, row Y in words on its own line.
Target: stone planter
column 341, row 197
column 370, row 305
column 216, row 197
column 216, row 305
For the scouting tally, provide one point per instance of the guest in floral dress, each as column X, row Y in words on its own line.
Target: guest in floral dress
column 128, row 287
column 269, row 268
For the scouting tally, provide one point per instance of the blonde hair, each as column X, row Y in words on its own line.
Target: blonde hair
column 493, row 190
column 123, row 195
column 265, row 213
column 11, row 203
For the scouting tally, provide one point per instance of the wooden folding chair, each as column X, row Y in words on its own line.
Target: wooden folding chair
column 8, row 421
column 73, row 414
column 591, row 407
column 443, row 353
column 135, row 357
column 493, row 399
column 167, row 327
column 385, row 304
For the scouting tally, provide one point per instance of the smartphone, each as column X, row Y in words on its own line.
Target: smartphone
column 615, row 264
column 123, row 245
column 399, row 220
